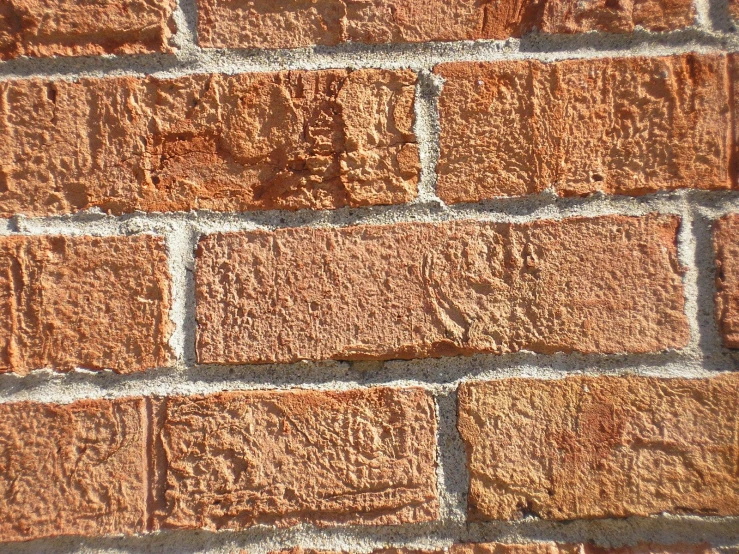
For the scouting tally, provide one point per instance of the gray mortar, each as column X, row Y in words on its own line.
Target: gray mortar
column 703, row 357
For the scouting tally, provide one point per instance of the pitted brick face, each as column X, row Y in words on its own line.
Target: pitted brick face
column 411, row 290
column 726, row 246
column 42, row 28
column 290, row 140
column 84, row 302
column 75, row 469
column 258, row 24
column 618, row 125
column 608, row 447
column 238, row 459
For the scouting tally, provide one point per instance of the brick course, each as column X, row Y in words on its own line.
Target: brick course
column 608, row 447
column 617, row 125
column 289, row 140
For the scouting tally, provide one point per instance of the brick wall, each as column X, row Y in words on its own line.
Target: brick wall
column 369, row 276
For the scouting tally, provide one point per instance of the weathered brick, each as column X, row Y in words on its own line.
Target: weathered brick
column 587, row 548
column 41, row 28
column 257, row 24
column 726, row 246
column 410, row 290
column 537, row 548
column 89, row 302
column 286, row 140
column 618, row 125
column 236, row 459
column 588, row 447
column 75, row 469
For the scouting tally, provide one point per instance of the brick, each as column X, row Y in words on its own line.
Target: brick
column 232, row 460
column 74, row 469
column 410, row 290
column 618, row 125
column 587, row 548
column 88, row 302
column 726, row 247
column 733, row 9
column 288, row 140
column 41, row 28
column 608, row 447
column 257, row 24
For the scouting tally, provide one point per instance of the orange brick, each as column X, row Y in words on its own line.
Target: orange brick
column 726, row 246
column 232, row 460
column 75, row 469
column 88, row 302
column 256, row 24
column 585, row 447
column 41, row 28
column 609, row 284
column 617, row 125
column 289, row 140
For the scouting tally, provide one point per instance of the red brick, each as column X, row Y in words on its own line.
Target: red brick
column 618, row 125
column 41, row 28
column 609, row 284
column 726, row 246
column 75, row 469
column 289, row 140
column 257, row 24
column 586, row 447
column 232, row 460
column 88, row 302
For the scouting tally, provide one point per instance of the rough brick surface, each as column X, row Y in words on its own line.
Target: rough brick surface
column 258, row 24
column 609, row 284
column 556, row 548
column 618, row 125
column 237, row 459
column 286, row 140
column 87, row 302
column 76, row 469
column 601, row 447
column 71, row 28
column 726, row 246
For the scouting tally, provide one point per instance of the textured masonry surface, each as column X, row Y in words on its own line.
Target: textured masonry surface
column 89, row 302
column 620, row 125
column 414, row 290
column 286, row 140
column 609, row 446
column 229, row 460
column 369, row 276
column 229, row 23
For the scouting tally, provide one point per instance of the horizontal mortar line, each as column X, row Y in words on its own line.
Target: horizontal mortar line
column 608, row 532
column 389, row 56
column 438, row 375
column 523, row 209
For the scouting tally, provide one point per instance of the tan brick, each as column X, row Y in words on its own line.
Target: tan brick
column 726, row 246
column 586, row 447
column 86, row 302
column 75, row 469
column 41, row 28
column 257, row 24
column 410, row 290
column 237, row 459
column 618, row 125
column 287, row 140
